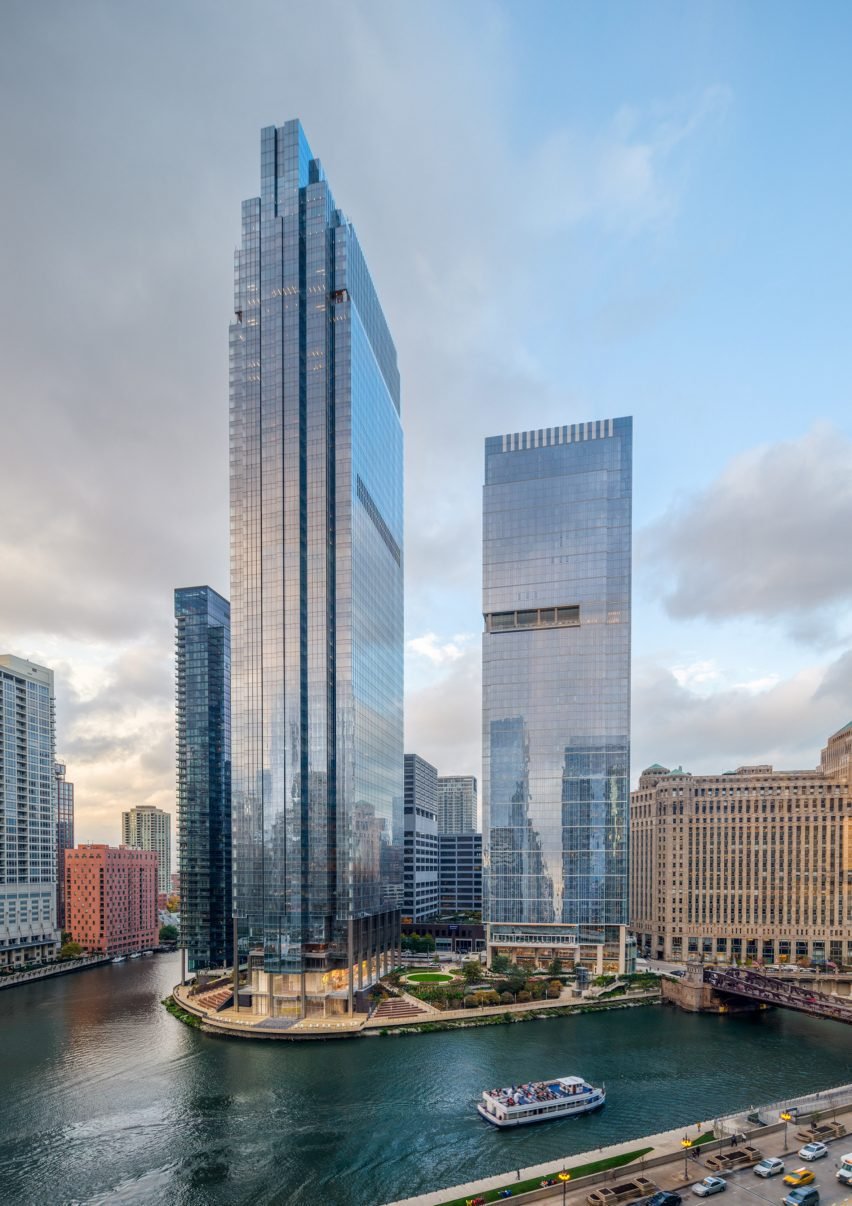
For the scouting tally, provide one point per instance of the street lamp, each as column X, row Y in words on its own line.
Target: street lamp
column 686, row 1144
column 564, row 1177
column 785, row 1118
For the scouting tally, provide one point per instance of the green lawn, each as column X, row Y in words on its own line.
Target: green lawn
column 579, row 1170
column 429, row 977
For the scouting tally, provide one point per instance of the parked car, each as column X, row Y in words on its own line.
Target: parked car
column 769, row 1167
column 710, row 1185
column 799, row 1176
column 663, row 1198
column 813, row 1151
column 805, row 1196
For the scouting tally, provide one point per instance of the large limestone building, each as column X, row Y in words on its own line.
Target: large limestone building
column 753, row 864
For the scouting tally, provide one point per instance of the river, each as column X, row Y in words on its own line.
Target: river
column 108, row 1099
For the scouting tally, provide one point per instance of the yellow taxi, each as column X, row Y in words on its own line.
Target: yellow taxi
column 799, row 1176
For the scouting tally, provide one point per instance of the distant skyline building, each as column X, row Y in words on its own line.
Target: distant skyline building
column 316, row 594
column 203, row 722
column 28, row 815
column 751, row 865
column 111, row 898
column 460, row 872
column 420, row 850
column 64, row 835
column 148, row 828
column 457, row 804
column 556, row 693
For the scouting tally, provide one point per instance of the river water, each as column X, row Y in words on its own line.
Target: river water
column 104, row 1097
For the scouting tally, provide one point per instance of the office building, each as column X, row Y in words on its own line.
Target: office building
column 111, row 898
column 149, row 828
column 753, row 865
column 836, row 757
column 556, row 693
column 64, row 835
column 28, row 930
column 203, row 720
column 460, row 872
column 316, row 595
column 420, row 850
column 457, row 804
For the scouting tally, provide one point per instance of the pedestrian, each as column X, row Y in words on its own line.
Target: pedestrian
column 519, row 1174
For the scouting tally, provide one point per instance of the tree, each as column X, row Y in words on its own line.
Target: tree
column 70, row 950
column 168, row 933
column 471, row 971
column 506, row 998
column 500, row 964
column 524, row 996
column 555, row 967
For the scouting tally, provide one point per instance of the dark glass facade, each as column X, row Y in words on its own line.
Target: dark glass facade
column 556, row 683
column 316, row 581
column 203, row 672
column 64, row 835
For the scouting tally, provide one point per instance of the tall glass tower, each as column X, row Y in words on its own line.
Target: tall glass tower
column 203, row 688
column 556, row 693
column 316, row 594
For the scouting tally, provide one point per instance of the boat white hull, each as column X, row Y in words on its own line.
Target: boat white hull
column 571, row 1110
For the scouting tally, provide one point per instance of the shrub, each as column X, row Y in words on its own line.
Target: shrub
column 506, row 998
column 523, row 995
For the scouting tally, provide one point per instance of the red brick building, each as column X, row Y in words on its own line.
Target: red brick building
column 111, row 898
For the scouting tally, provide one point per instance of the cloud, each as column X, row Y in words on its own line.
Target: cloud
column 113, row 342
column 443, row 720
column 429, row 646
column 786, row 722
column 620, row 176
column 765, row 540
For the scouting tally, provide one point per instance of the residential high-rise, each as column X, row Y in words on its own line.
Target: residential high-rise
column 64, row 835
column 28, row 930
column 203, row 718
column 457, row 804
column 111, row 896
column 316, row 594
column 752, row 865
column 556, row 693
column 420, row 848
column 148, row 828
column 460, row 872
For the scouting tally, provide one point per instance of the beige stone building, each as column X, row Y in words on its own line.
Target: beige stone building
column 752, row 864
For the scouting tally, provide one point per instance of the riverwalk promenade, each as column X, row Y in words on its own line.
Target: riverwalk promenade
column 242, row 1023
column 665, row 1161
column 53, row 969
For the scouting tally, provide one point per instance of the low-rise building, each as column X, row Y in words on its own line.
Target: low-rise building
column 750, row 865
column 111, row 898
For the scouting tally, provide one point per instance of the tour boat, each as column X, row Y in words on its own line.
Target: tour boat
column 119, row 959
column 540, row 1101
column 136, row 955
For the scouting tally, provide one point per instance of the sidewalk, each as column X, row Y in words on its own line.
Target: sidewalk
column 664, row 1165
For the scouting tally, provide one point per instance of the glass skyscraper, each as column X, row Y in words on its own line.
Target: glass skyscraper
column 64, row 835
column 203, row 686
column 556, row 692
column 316, row 594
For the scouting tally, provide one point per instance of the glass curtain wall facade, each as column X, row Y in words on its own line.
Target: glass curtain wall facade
column 203, row 715
column 64, row 835
column 556, row 692
column 316, row 592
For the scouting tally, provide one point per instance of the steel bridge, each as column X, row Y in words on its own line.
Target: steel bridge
column 772, row 990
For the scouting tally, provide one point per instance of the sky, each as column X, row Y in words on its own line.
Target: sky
column 570, row 211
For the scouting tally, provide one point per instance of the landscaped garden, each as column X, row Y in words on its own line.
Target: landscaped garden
column 429, row 977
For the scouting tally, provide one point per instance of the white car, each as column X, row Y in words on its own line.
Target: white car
column 710, row 1185
column 813, row 1151
column 769, row 1167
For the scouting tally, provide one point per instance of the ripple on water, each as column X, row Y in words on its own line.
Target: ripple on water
column 109, row 1099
